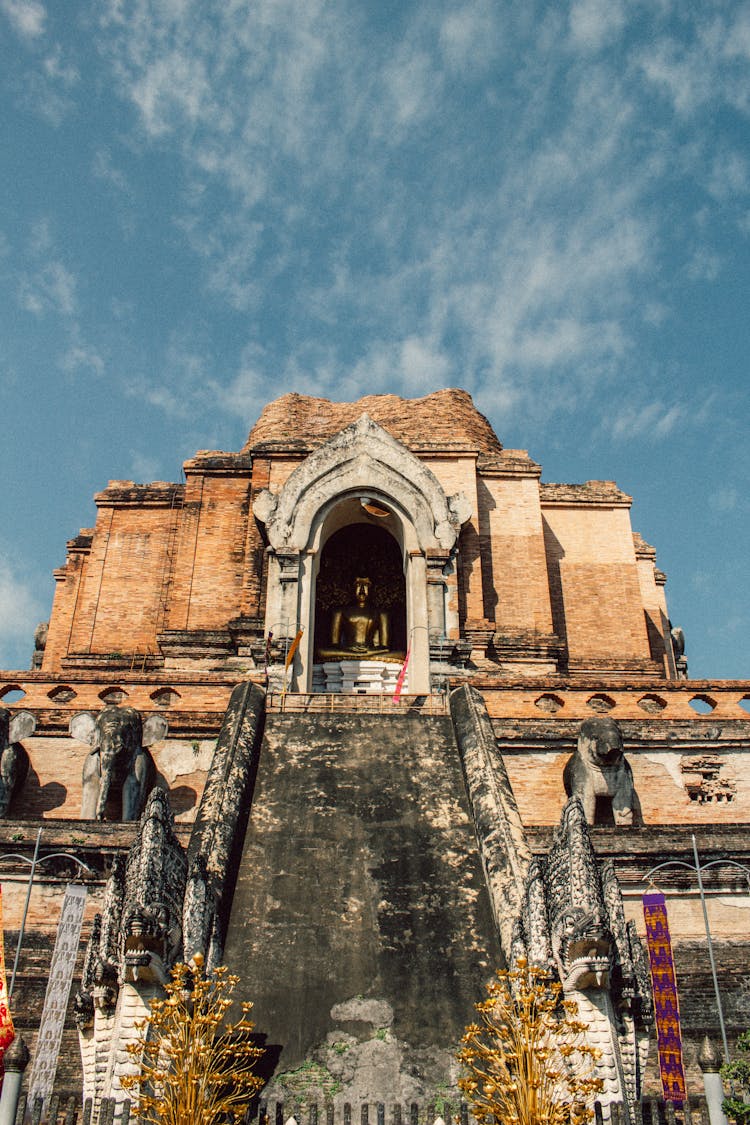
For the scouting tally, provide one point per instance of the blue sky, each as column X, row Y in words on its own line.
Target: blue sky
column 205, row 205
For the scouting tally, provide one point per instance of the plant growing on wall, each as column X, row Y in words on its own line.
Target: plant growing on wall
column 194, row 1066
column 737, row 1075
column 527, row 1060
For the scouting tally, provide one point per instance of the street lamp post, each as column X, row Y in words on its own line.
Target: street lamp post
column 699, row 868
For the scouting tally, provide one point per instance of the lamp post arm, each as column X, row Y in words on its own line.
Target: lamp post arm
column 34, row 863
column 668, row 863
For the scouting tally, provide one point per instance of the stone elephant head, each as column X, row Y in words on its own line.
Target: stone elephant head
column 118, row 760
column 14, row 761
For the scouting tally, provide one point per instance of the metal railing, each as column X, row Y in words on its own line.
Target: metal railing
column 322, row 703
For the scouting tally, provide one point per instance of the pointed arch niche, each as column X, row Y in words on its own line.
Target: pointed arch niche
column 362, row 479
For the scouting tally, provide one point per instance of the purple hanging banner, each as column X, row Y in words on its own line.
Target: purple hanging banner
column 666, row 1005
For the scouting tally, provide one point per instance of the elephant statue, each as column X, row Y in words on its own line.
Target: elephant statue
column 14, row 761
column 118, row 738
column 599, row 770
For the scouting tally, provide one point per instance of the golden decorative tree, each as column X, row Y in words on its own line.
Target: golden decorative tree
column 194, row 1066
column 528, row 1062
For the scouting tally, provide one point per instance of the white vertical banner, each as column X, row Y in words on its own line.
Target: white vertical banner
column 44, row 1065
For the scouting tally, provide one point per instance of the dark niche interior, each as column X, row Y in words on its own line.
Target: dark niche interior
column 361, row 551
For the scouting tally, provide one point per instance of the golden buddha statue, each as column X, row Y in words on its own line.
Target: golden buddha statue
column 358, row 631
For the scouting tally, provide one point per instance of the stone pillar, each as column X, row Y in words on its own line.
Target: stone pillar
column 709, row 1060
column 436, row 594
column 286, row 607
column 15, row 1060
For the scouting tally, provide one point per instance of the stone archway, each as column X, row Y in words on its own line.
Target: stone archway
column 331, row 489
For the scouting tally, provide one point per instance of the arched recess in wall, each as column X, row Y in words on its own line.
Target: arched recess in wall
column 346, row 538
column 326, row 492
column 363, row 548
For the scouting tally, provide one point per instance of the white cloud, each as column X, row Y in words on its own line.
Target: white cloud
column 171, row 88
column 144, row 467
column 82, row 358
column 707, row 66
column 26, row 16
column 40, row 236
column 649, row 421
column 424, row 366
column 20, row 610
column 595, row 23
column 104, row 168
column 529, row 248
column 247, row 392
column 470, row 36
column 410, row 88
column 704, row 264
column 50, row 288
column 729, row 176
column 57, row 69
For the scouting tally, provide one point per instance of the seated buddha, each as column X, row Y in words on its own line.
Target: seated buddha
column 359, row 632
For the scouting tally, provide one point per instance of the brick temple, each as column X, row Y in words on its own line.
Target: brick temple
column 362, row 650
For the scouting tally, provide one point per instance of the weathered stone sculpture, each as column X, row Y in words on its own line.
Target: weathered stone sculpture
column 599, row 769
column 132, row 947
column 572, row 923
column 14, row 761
column 40, row 643
column 200, row 915
column 118, row 737
column 677, row 637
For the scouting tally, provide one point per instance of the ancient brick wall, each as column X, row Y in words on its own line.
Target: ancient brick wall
column 108, row 597
column 119, row 609
column 68, row 579
column 535, row 560
column 53, row 788
column 515, row 540
column 685, row 771
column 597, row 604
column 361, row 918
column 442, row 419
column 651, row 583
column 214, row 575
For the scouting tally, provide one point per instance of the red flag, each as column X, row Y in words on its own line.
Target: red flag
column 401, row 676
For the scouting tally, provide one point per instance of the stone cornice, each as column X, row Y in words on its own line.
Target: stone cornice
column 128, row 494
column 509, row 463
column 602, row 493
column 215, row 462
